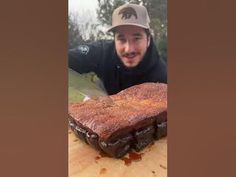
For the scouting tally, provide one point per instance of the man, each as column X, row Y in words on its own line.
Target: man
column 132, row 58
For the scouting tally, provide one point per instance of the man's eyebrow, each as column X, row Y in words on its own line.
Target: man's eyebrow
column 120, row 35
column 137, row 34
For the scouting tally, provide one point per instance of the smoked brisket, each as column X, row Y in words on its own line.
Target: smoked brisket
column 130, row 119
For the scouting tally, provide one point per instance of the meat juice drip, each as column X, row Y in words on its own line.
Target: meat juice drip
column 127, row 161
column 103, row 170
column 97, row 158
column 133, row 156
column 102, row 154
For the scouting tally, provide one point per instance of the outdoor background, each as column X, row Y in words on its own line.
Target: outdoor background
column 201, row 88
column 88, row 21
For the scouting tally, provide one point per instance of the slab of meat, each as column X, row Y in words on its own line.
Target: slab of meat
column 130, row 119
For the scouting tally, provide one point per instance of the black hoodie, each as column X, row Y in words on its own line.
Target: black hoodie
column 101, row 57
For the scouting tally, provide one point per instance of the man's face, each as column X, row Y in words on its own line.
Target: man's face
column 131, row 44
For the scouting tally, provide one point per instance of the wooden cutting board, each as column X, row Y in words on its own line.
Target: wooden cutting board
column 84, row 161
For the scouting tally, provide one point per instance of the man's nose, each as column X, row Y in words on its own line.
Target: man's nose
column 129, row 47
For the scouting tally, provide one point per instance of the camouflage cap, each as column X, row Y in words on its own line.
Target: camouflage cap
column 130, row 14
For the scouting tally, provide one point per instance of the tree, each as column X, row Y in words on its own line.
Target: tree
column 82, row 29
column 74, row 36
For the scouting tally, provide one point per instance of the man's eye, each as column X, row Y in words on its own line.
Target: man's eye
column 137, row 38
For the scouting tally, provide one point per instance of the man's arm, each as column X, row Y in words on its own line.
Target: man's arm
column 85, row 58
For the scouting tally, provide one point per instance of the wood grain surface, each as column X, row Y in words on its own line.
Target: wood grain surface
column 84, row 161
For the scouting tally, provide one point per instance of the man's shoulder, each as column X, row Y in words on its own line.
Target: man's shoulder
column 97, row 48
column 104, row 44
column 98, row 45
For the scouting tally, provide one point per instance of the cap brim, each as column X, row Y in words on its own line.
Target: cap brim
column 111, row 29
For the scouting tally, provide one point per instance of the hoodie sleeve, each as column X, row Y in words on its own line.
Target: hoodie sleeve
column 85, row 58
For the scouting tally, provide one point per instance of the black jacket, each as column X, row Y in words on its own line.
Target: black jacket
column 100, row 57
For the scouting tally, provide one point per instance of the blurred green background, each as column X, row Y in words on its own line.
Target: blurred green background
column 82, row 85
